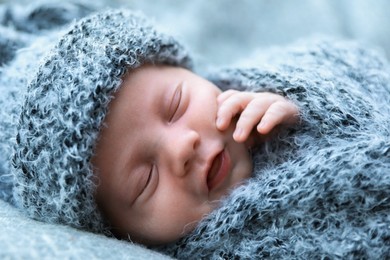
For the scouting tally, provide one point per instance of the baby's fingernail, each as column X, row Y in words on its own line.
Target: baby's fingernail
column 261, row 128
column 238, row 133
column 261, row 125
column 219, row 122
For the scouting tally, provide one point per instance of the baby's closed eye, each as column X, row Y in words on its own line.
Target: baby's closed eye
column 175, row 104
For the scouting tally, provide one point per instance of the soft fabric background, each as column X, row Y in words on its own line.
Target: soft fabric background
column 23, row 238
column 222, row 31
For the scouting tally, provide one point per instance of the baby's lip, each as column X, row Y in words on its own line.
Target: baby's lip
column 217, row 170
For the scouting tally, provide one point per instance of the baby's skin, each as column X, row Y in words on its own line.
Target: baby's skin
column 262, row 110
column 173, row 145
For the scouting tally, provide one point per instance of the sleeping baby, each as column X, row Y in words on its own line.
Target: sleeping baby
column 285, row 157
column 162, row 160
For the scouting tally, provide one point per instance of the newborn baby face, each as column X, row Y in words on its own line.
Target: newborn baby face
column 161, row 162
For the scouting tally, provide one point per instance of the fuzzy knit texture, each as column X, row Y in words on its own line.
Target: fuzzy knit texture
column 26, row 32
column 322, row 189
column 63, row 108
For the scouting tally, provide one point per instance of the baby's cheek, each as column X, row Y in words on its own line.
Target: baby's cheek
column 174, row 226
column 175, row 212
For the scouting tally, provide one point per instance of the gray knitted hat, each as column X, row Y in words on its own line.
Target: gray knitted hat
column 65, row 105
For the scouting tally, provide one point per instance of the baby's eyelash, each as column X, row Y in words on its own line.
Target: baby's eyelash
column 175, row 103
column 148, row 180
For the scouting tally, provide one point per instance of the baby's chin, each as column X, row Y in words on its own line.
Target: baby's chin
column 166, row 239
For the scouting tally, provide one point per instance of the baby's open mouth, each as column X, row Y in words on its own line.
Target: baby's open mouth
column 218, row 170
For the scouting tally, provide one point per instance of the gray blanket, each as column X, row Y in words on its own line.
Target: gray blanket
column 24, row 238
column 321, row 190
column 23, row 32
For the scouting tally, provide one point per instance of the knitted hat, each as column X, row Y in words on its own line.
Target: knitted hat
column 65, row 106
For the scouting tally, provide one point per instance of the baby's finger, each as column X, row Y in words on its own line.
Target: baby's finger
column 278, row 113
column 251, row 116
column 225, row 95
column 230, row 108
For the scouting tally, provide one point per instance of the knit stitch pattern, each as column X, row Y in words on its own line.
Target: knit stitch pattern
column 64, row 108
column 322, row 189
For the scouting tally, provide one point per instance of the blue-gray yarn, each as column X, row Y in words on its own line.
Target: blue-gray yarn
column 321, row 190
column 26, row 34
column 64, row 107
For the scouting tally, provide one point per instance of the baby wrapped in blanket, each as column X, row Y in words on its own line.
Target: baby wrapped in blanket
column 324, row 189
column 317, row 189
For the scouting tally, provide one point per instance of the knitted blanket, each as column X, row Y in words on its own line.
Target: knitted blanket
column 26, row 33
column 321, row 190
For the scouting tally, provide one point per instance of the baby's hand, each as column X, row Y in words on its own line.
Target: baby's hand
column 263, row 110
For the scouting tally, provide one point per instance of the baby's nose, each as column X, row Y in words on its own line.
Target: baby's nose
column 181, row 151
